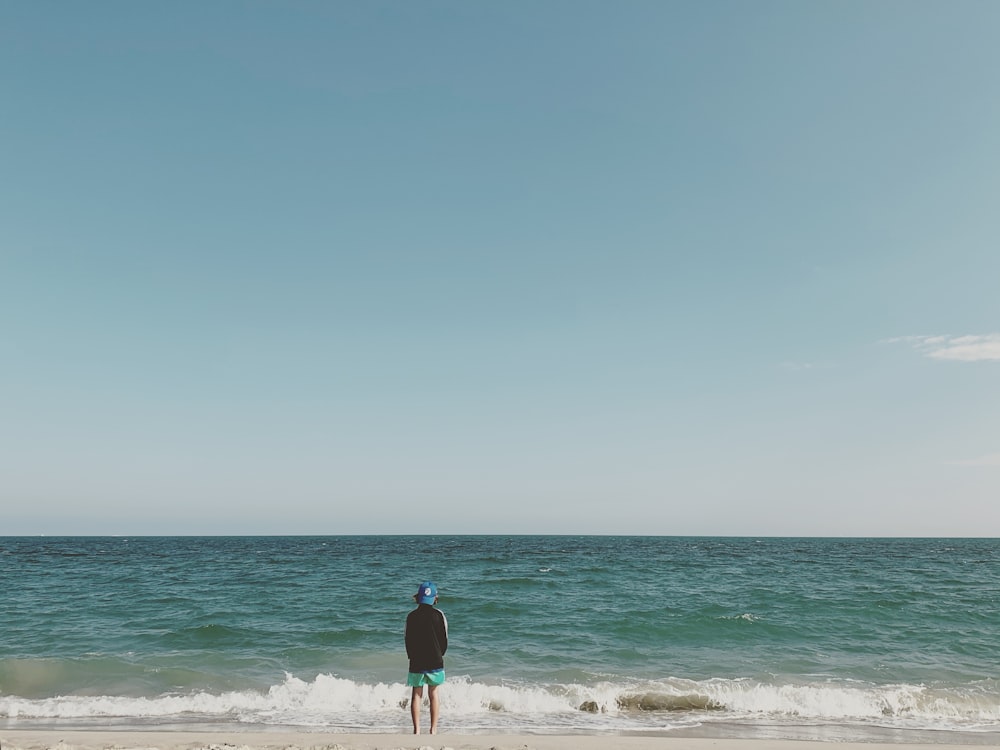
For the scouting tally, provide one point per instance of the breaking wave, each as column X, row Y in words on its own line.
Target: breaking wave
column 334, row 702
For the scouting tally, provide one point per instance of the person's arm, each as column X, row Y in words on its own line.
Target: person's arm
column 443, row 634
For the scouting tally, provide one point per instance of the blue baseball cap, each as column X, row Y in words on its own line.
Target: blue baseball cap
column 427, row 593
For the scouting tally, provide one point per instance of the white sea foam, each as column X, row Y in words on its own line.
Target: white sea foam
column 332, row 701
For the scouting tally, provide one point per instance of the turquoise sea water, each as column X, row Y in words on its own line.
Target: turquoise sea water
column 821, row 638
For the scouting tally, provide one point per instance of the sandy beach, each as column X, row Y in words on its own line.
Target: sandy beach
column 236, row 740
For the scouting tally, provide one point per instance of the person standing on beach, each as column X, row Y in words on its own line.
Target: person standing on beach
column 426, row 638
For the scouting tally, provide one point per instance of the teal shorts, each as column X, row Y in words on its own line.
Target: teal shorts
column 419, row 679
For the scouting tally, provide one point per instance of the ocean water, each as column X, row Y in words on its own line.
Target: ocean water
column 838, row 639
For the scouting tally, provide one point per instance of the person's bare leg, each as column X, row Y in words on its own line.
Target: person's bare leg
column 432, row 695
column 416, row 698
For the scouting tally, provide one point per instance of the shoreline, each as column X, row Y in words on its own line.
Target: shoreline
column 281, row 739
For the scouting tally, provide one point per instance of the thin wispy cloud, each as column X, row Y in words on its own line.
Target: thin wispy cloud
column 991, row 460
column 796, row 366
column 966, row 348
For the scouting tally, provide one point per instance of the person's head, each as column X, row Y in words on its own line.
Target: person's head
column 426, row 594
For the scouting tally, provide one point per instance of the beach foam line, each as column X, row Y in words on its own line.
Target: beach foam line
column 238, row 740
column 343, row 704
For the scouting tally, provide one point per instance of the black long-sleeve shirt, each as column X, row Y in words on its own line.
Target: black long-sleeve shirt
column 426, row 638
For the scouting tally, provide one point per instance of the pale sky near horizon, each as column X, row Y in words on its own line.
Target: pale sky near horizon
column 711, row 268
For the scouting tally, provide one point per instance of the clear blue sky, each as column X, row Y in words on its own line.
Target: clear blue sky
column 554, row 267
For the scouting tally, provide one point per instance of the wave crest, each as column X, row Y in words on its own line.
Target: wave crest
column 332, row 701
